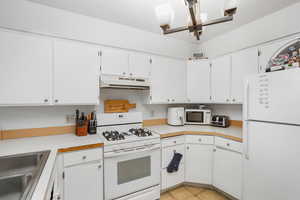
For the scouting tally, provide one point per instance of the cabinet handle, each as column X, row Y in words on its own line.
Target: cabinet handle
column 187, row 148
column 227, row 100
column 214, row 150
column 228, row 144
column 200, row 140
column 175, row 142
column 173, row 100
column 233, row 100
column 100, row 166
column 83, row 157
column 124, row 73
column 130, row 74
column 56, row 101
column 46, row 100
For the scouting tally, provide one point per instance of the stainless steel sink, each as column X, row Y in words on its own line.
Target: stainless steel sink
column 19, row 175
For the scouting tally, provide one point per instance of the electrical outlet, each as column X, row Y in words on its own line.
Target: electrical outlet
column 70, row 118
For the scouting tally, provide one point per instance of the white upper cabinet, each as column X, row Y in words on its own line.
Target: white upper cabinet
column 268, row 51
column 26, row 69
column 76, row 73
column 160, row 92
column 244, row 63
column 177, row 81
column 221, row 79
column 168, row 80
column 198, row 81
column 114, row 62
column 139, row 65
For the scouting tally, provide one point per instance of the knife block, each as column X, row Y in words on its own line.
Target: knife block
column 83, row 129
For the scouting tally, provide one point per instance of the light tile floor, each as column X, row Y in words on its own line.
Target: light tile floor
column 192, row 193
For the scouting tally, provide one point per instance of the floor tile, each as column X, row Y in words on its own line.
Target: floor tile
column 194, row 190
column 181, row 193
column 192, row 193
column 166, row 196
column 211, row 195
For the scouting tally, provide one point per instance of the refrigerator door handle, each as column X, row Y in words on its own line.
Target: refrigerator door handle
column 246, row 102
column 246, row 123
column 246, row 140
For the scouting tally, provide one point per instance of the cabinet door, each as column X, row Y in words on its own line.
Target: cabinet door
column 244, row 63
column 174, row 178
column 268, row 51
column 167, row 154
column 26, row 69
column 198, row 163
column 198, row 81
column 177, row 81
column 160, row 92
column 114, row 62
column 76, row 73
column 83, row 182
column 227, row 174
column 139, row 65
column 220, row 79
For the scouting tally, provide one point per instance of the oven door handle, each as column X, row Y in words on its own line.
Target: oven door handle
column 127, row 152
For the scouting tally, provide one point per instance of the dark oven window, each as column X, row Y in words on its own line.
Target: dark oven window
column 131, row 170
column 194, row 117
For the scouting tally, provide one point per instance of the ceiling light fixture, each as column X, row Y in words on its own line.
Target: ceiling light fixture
column 165, row 15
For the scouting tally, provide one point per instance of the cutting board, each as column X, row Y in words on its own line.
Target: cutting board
column 117, row 106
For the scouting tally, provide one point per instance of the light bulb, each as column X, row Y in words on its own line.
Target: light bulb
column 164, row 14
column 229, row 4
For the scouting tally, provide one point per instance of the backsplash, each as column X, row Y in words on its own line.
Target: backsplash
column 47, row 116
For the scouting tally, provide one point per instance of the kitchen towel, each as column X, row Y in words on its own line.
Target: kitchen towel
column 174, row 164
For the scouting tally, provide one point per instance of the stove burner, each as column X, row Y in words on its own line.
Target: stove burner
column 113, row 135
column 140, row 132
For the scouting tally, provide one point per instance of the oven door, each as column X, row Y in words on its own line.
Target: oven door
column 194, row 117
column 131, row 170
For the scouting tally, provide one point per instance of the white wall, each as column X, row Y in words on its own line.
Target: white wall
column 36, row 18
column 276, row 25
column 38, row 117
column 137, row 97
column 233, row 111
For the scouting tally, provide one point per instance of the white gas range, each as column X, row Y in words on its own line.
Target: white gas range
column 132, row 157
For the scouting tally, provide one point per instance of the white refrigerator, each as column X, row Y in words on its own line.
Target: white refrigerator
column 272, row 136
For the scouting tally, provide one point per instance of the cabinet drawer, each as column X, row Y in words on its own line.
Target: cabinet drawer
column 172, row 141
column 199, row 139
column 228, row 144
column 168, row 153
column 73, row 158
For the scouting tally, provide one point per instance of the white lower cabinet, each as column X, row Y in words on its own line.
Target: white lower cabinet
column 199, row 159
column 83, row 175
column 227, row 171
column 207, row 160
column 169, row 147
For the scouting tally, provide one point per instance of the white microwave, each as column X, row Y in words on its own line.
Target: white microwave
column 197, row 116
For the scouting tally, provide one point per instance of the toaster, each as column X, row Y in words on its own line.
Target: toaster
column 220, row 121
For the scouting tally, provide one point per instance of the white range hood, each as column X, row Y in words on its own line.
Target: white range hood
column 112, row 81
